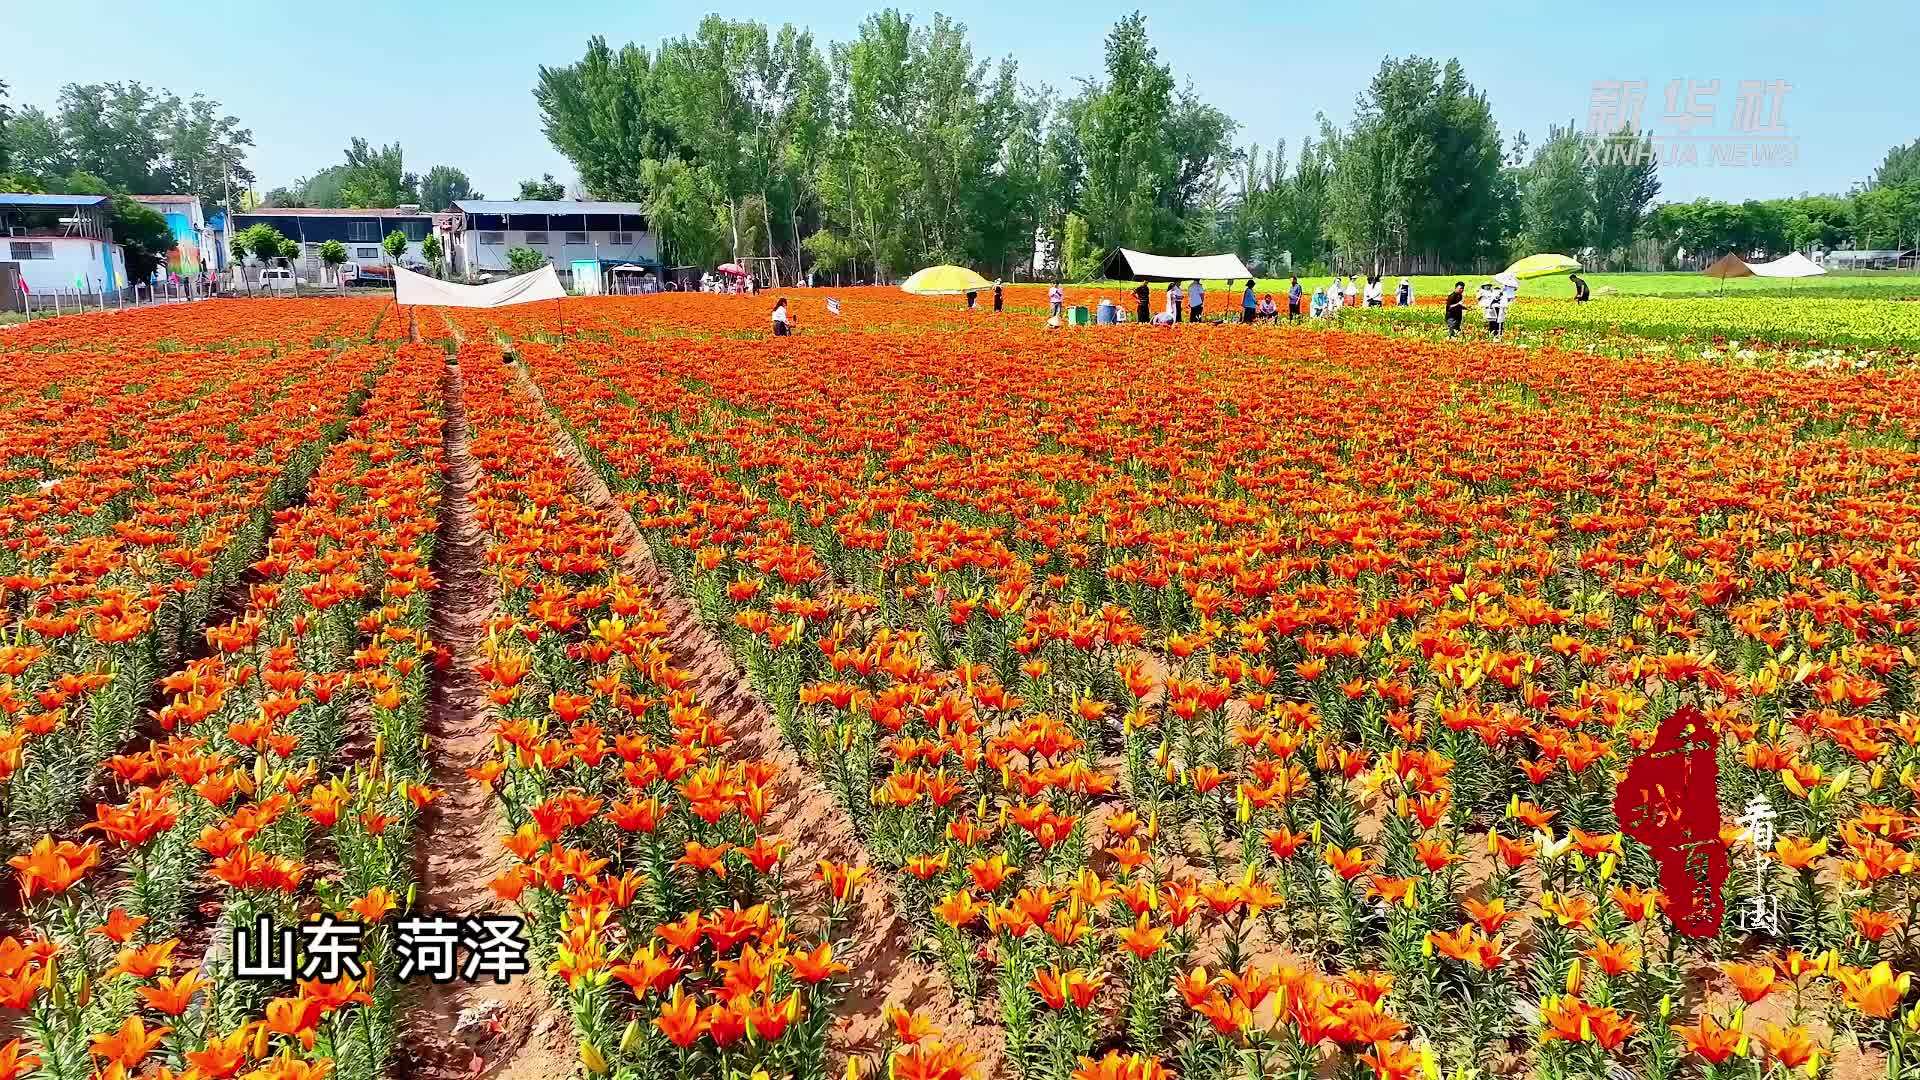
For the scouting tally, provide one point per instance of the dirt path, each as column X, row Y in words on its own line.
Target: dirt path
column 813, row 823
column 469, row 1030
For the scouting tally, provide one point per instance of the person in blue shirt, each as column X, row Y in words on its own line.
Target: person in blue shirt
column 1247, row 303
column 1294, row 293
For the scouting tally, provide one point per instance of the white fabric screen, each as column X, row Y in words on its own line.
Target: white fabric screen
column 415, row 288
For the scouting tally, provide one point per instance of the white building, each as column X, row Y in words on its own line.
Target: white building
column 479, row 232
column 61, row 243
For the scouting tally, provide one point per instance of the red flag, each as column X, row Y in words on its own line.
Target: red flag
column 1670, row 801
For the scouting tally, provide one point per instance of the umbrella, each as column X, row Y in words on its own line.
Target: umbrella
column 945, row 280
column 1507, row 278
column 732, row 269
column 1534, row 266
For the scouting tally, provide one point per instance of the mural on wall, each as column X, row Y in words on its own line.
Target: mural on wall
column 184, row 259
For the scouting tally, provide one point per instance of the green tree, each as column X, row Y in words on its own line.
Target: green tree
column 1079, row 260
column 262, row 241
column 687, row 212
column 604, row 114
column 1626, row 178
column 1557, row 205
column 1900, row 166
column 1124, row 144
column 545, row 189
column 1820, row 221
column 830, row 251
column 431, row 251
column 1888, row 215
column 290, row 251
column 395, row 245
column 143, row 235
column 203, row 149
column 443, row 186
column 1418, row 172
column 333, row 255
column 375, row 178
column 132, row 137
column 522, row 259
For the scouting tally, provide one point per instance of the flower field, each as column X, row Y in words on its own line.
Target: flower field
column 933, row 696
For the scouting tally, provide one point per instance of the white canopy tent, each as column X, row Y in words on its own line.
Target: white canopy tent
column 413, row 288
column 1126, row 264
column 1795, row 265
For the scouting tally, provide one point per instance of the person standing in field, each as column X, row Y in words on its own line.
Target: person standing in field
column 1141, row 295
column 1293, row 299
column 973, row 297
column 782, row 319
column 1173, row 300
column 1055, row 299
column 1196, row 300
column 1456, row 308
column 999, row 297
column 1353, row 290
column 1497, row 313
column 1376, row 292
column 1404, row 294
column 1247, row 303
column 1581, row 294
column 1484, row 301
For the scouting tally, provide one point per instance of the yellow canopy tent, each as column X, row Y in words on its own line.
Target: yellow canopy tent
column 945, row 280
column 1545, row 265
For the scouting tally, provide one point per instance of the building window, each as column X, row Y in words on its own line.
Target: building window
column 363, row 230
column 620, row 238
column 536, row 238
column 366, row 253
column 493, row 238
column 27, row 249
column 576, row 238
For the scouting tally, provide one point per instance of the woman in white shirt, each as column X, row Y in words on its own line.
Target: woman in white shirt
column 1376, row 294
column 1353, row 290
column 782, row 320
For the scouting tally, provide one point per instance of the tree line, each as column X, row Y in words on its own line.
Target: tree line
column 900, row 148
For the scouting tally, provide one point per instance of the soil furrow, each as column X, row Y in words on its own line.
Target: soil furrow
column 469, row 1030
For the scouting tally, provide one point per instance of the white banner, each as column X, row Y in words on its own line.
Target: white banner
column 415, row 288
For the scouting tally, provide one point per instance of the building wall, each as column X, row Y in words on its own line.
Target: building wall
column 86, row 265
column 481, row 258
column 193, row 242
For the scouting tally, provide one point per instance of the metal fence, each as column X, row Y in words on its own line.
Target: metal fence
column 39, row 303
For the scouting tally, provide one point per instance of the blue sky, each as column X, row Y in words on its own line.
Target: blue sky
column 451, row 81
